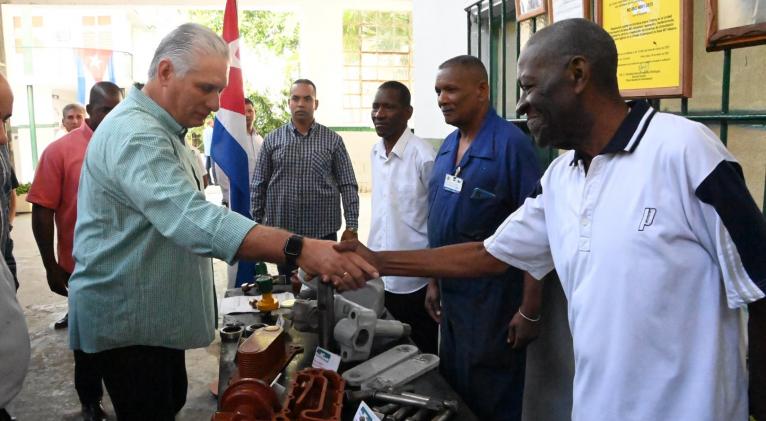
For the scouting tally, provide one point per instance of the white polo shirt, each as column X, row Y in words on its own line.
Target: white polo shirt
column 400, row 202
column 658, row 247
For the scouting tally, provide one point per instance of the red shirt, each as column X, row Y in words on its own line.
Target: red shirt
column 57, row 179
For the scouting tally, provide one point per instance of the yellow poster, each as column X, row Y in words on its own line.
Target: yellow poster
column 648, row 38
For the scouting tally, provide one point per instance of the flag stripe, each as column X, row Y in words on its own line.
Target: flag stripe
column 228, row 147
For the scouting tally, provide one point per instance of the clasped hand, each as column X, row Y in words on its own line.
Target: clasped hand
column 342, row 264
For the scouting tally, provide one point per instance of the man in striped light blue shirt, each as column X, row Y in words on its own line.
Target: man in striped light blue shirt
column 142, row 289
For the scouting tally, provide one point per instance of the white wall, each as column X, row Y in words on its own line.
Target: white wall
column 439, row 28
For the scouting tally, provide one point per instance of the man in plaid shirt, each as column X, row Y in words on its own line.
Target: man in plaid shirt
column 302, row 174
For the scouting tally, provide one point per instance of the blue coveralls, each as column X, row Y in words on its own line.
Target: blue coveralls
column 499, row 170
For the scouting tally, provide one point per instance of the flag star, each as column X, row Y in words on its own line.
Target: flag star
column 234, row 53
column 95, row 61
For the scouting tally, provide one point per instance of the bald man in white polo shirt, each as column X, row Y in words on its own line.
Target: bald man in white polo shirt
column 658, row 243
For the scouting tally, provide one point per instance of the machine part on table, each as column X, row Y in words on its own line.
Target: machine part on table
column 226, row 367
column 403, row 372
column 252, row 328
column 386, row 409
column 352, row 325
column 265, row 286
column 248, row 400
column 265, row 353
column 357, row 326
column 401, row 413
column 444, row 415
column 315, row 395
column 405, row 398
column 376, row 365
column 421, row 415
column 304, row 315
column 326, row 313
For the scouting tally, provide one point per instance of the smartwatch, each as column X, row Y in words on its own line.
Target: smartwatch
column 293, row 247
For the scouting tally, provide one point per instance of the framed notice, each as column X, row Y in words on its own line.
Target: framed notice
column 735, row 23
column 653, row 40
column 567, row 9
column 526, row 9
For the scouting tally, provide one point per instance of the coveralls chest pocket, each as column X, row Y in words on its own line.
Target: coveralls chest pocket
column 480, row 201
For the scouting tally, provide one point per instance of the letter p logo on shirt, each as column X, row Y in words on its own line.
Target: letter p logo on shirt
column 647, row 218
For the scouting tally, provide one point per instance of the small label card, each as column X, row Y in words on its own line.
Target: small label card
column 325, row 359
column 364, row 413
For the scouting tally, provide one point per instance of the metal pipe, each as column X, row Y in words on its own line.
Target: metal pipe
column 468, row 32
column 725, row 91
column 518, row 53
column 230, row 335
column 505, row 57
column 478, row 32
column 32, row 124
column 444, row 415
column 492, row 65
column 326, row 312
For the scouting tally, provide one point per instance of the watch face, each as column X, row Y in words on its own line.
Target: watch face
column 294, row 245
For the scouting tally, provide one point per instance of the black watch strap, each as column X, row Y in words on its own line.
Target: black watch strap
column 293, row 248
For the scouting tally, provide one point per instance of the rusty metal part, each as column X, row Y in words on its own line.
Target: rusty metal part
column 315, row 395
column 248, row 400
column 265, row 354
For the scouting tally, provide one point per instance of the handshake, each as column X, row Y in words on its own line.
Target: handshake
column 347, row 265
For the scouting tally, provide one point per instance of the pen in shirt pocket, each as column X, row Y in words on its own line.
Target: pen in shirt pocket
column 478, row 193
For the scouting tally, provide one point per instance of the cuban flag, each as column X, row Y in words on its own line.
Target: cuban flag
column 229, row 137
column 93, row 66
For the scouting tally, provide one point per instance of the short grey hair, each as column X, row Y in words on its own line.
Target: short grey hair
column 73, row 106
column 184, row 44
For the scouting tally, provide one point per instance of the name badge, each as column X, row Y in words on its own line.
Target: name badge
column 453, row 183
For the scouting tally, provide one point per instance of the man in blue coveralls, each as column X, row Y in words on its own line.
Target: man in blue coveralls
column 483, row 172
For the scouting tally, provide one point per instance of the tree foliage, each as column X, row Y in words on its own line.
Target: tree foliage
column 275, row 32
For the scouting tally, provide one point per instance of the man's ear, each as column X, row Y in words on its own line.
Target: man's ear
column 165, row 71
column 316, row 104
column 579, row 70
column 483, row 89
column 408, row 112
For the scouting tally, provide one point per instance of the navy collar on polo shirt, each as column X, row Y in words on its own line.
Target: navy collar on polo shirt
column 630, row 132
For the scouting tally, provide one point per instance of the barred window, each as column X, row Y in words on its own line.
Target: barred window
column 377, row 47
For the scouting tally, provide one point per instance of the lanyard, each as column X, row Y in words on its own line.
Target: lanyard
column 457, row 171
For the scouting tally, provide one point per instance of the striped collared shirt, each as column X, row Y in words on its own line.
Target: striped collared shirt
column 300, row 180
column 144, row 237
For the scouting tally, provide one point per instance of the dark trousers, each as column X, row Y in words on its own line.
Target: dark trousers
column 287, row 269
column 410, row 308
column 145, row 382
column 87, row 377
column 10, row 260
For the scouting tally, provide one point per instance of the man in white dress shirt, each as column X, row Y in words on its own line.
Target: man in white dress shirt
column 401, row 168
column 255, row 142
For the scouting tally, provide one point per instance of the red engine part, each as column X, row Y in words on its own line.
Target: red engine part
column 248, row 400
column 265, row 353
column 315, row 395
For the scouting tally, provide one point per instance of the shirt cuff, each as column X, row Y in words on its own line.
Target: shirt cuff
column 231, row 232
